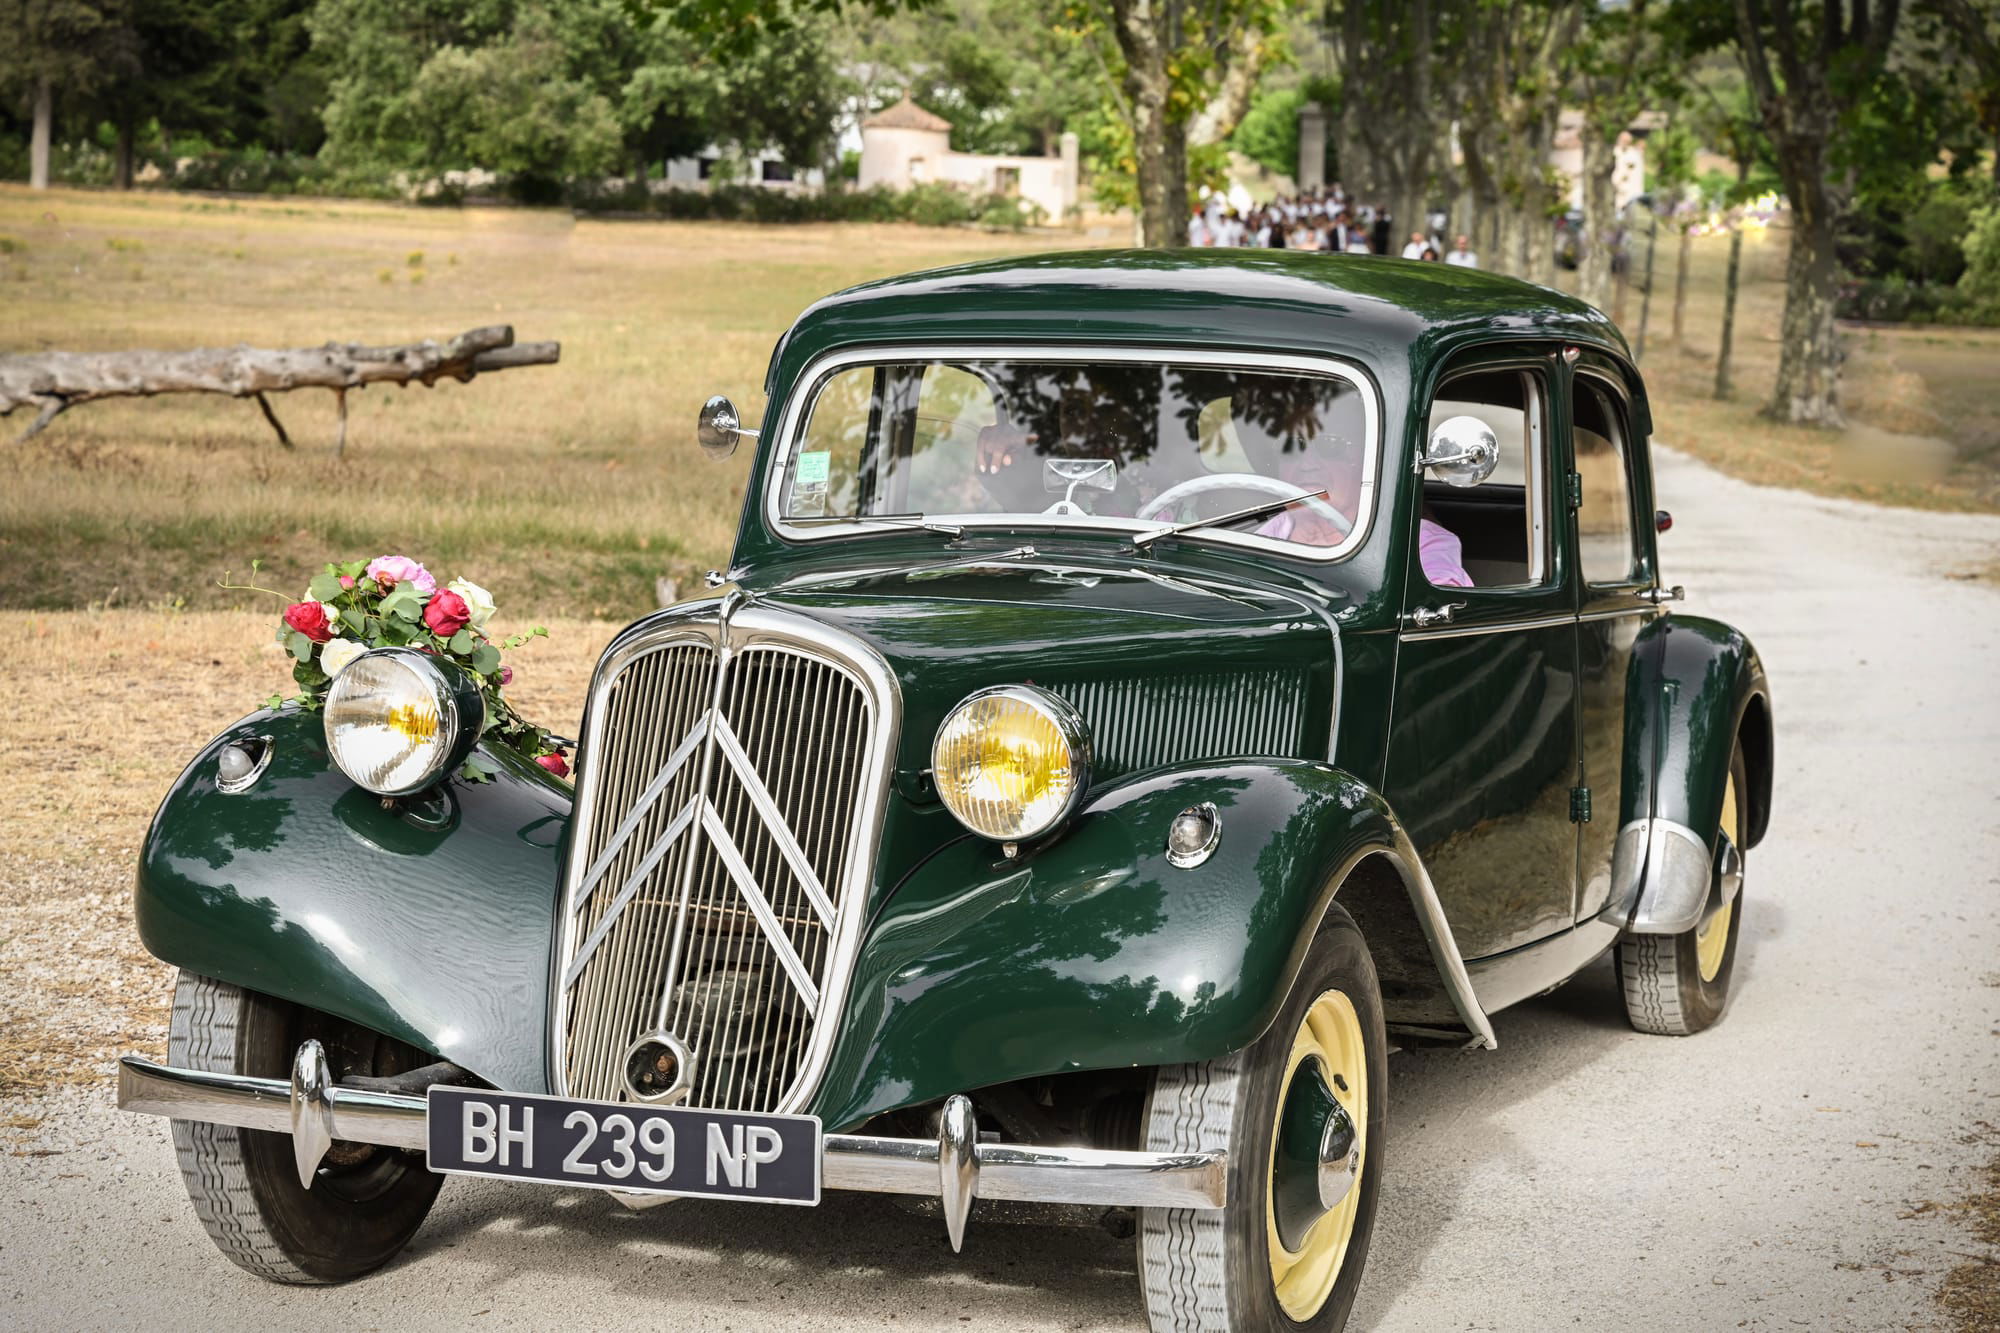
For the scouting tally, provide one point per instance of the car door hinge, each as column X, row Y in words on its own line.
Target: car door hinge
column 1576, row 490
column 1579, row 805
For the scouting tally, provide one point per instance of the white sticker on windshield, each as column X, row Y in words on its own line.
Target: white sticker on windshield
column 814, row 468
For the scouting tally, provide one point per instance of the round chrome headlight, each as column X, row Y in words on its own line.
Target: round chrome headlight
column 396, row 721
column 1011, row 762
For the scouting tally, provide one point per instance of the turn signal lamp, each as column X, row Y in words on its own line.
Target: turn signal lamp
column 1012, row 762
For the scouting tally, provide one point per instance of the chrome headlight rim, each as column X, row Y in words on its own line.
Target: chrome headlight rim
column 1069, row 725
column 460, row 709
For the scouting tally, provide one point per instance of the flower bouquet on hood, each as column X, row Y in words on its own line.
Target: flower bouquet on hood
column 394, row 602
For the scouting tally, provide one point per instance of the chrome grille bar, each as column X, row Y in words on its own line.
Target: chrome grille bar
column 731, row 788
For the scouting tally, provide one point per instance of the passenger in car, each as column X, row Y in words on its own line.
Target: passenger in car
column 1441, row 554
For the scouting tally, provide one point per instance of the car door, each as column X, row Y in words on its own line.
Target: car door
column 1611, row 517
column 1482, row 745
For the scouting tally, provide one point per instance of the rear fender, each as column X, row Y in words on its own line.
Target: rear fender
column 1696, row 692
column 429, row 922
column 1093, row 952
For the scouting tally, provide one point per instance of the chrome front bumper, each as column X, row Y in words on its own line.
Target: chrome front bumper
column 952, row 1168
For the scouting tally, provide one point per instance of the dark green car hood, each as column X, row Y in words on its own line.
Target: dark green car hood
column 1165, row 669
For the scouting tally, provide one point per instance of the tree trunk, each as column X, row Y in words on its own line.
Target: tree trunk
column 54, row 382
column 38, row 143
column 1729, row 284
column 1145, row 31
column 1507, row 239
column 121, row 162
column 1681, row 280
column 1808, row 388
column 1600, row 162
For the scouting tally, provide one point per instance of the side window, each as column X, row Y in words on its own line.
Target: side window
column 1494, row 535
column 1607, row 548
column 826, row 477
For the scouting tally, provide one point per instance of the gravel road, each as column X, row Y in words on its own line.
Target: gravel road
column 1788, row 1169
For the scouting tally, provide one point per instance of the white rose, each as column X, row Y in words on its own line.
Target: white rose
column 477, row 600
column 335, row 654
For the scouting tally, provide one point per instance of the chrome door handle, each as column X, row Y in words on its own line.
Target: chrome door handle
column 1657, row 595
column 1442, row 615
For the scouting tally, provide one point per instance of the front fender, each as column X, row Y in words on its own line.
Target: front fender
column 1093, row 952
column 1695, row 691
column 429, row 923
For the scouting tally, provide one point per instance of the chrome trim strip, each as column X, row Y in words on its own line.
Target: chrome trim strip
column 1437, row 932
column 628, row 890
column 774, row 820
column 616, row 842
column 1012, row 1171
column 760, row 907
column 1492, row 627
column 1619, row 612
column 808, row 379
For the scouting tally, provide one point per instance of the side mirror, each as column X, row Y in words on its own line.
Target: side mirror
column 1463, row 451
column 719, row 429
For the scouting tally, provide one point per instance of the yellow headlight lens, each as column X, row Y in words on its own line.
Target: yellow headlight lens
column 1011, row 763
column 390, row 721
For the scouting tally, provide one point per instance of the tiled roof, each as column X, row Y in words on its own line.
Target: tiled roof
column 905, row 115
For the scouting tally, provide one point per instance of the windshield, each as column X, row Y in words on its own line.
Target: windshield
column 1126, row 444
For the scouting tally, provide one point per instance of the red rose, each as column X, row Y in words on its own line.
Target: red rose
column 446, row 613
column 309, row 619
column 554, row 763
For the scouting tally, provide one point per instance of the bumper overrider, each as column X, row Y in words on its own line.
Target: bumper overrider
column 954, row 1168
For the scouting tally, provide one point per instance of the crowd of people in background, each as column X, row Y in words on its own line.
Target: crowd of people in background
column 1323, row 220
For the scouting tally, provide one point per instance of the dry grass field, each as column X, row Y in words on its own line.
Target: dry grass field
column 566, row 490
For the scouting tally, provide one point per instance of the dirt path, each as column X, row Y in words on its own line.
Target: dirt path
column 1789, row 1169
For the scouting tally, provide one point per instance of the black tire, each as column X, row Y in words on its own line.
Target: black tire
column 365, row 1203
column 1661, row 976
column 1212, row 1269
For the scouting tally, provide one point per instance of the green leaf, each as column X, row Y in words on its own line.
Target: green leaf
column 354, row 569
column 355, row 619
column 301, row 646
column 324, row 587
column 308, row 675
column 487, row 660
column 478, row 768
column 461, row 643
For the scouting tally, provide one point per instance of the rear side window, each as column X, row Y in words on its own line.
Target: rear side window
column 1607, row 545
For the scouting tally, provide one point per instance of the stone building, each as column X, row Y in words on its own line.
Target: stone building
column 905, row 145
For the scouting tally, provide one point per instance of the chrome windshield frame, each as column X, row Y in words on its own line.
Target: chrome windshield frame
column 816, row 373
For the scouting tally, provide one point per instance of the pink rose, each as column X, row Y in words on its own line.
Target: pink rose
column 309, row 619
column 506, row 675
column 554, row 763
column 447, row 614
column 347, row 580
column 389, row 570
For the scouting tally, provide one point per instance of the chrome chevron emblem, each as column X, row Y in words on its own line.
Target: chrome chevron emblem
column 700, row 812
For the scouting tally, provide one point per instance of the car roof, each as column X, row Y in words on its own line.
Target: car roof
column 1376, row 309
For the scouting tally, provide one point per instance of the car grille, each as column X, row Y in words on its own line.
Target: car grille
column 1144, row 722
column 723, row 828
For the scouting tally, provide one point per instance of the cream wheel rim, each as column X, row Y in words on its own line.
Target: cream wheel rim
column 1711, row 937
column 1304, row 1278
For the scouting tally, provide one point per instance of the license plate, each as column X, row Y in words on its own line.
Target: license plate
column 624, row 1146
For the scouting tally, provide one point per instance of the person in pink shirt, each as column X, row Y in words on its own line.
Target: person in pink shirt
column 1441, row 554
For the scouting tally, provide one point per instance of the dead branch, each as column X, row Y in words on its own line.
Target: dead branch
column 54, row 382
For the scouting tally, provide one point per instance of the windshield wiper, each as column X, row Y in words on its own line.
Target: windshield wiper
column 1145, row 539
column 906, row 520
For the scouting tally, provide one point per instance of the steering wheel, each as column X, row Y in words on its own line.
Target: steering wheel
column 1161, row 507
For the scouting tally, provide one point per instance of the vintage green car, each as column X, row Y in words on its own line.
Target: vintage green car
column 1146, row 687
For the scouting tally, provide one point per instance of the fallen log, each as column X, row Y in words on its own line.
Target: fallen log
column 54, row 382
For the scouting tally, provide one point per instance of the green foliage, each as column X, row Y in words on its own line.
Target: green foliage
column 1981, row 248
column 1269, row 132
column 934, row 204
